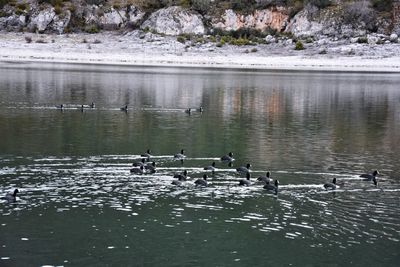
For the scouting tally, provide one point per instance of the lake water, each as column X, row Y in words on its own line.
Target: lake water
column 79, row 205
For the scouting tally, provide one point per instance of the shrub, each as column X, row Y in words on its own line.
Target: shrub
column 354, row 13
column 382, row 5
column 181, row 39
column 57, row 9
column 362, row 40
column 41, row 41
column 201, row 6
column 91, row 28
column 299, row 45
column 28, row 39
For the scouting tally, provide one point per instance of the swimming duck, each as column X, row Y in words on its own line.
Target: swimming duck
column 210, row 168
column 246, row 182
column 180, row 155
column 147, row 154
column 139, row 170
column 139, row 163
column 331, row 186
column 124, row 108
column 11, row 197
column 272, row 188
column 176, row 182
column 181, row 176
column 151, row 168
column 202, row 182
column 227, row 158
column 92, row 105
column 188, row 111
column 369, row 176
column 243, row 170
column 200, row 109
column 265, row 178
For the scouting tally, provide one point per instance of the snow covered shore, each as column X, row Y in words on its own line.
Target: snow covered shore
column 146, row 49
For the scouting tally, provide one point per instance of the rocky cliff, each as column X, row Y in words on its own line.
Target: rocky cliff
column 342, row 19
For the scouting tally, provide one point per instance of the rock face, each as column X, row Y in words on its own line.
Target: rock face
column 112, row 19
column 275, row 18
column 174, row 21
column 48, row 20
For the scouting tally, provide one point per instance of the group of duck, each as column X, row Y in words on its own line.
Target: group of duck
column 124, row 108
column 146, row 166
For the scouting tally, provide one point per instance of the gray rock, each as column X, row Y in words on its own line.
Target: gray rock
column 41, row 19
column 347, row 50
column 175, row 20
column 354, row 40
column 60, row 22
column 270, row 39
column 302, row 26
column 134, row 15
column 113, row 19
column 288, row 42
column 373, row 39
column 324, row 41
column 393, row 38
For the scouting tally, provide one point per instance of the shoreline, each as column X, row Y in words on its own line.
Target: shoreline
column 123, row 50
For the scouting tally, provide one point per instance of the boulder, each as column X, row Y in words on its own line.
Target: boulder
column 304, row 25
column 393, row 38
column 373, row 39
column 40, row 19
column 269, row 39
column 13, row 22
column 60, row 22
column 112, row 19
column 175, row 20
column 134, row 15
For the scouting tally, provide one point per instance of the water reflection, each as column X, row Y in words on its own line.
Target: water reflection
column 304, row 127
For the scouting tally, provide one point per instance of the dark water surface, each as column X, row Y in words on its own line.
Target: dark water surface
column 79, row 205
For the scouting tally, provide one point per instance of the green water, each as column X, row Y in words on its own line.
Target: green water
column 79, row 205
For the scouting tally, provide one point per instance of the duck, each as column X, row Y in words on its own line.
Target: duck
column 272, row 188
column 151, row 168
column 139, row 163
column 245, row 182
column 330, row 186
column 202, row 182
column 92, row 105
column 11, row 197
column 176, row 182
column 200, row 109
column 227, row 158
column 369, row 176
column 147, row 154
column 180, row 155
column 375, row 181
column 243, row 170
column 188, row 111
column 181, row 176
column 62, row 106
column 82, row 108
column 211, row 167
column 266, row 178
column 125, row 108
column 139, row 170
